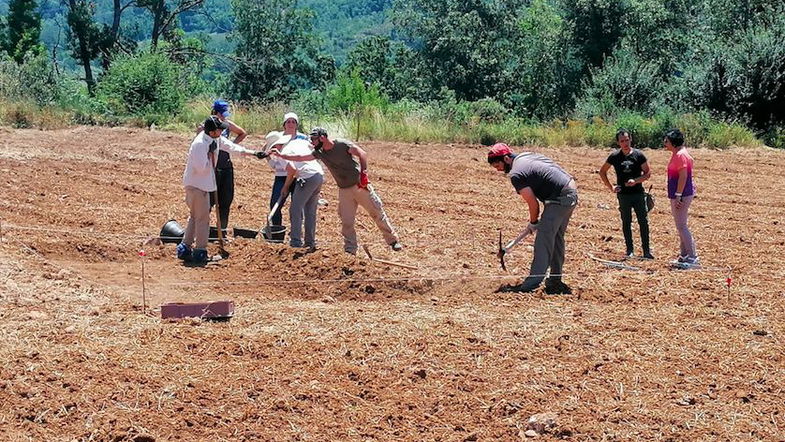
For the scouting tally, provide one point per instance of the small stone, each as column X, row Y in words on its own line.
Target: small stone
column 70, row 329
column 36, row 316
column 760, row 333
column 541, row 422
column 530, row 433
column 11, row 285
column 686, row 401
column 328, row 300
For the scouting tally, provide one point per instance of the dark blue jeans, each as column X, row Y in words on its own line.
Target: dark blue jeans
column 277, row 218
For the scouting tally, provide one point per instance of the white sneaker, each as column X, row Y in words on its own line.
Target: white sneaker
column 693, row 263
column 680, row 260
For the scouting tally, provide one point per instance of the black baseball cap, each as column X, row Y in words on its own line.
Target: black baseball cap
column 318, row 132
column 213, row 123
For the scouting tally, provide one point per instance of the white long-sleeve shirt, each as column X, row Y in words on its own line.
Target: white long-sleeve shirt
column 199, row 169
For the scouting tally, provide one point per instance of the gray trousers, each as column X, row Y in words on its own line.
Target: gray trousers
column 305, row 202
column 680, row 217
column 637, row 202
column 549, row 242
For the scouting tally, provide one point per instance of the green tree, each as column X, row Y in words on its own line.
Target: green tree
column 396, row 68
column 165, row 15
column 596, row 26
column 466, row 43
column 3, row 36
column 86, row 38
column 23, row 29
column 277, row 51
column 744, row 78
column 546, row 69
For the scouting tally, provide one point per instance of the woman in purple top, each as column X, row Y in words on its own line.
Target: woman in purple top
column 681, row 191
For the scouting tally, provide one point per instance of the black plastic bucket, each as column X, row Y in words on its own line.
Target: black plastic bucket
column 274, row 233
column 245, row 233
column 172, row 232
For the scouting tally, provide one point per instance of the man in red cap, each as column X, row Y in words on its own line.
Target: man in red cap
column 537, row 179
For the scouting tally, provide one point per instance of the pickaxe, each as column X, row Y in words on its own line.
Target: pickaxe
column 503, row 250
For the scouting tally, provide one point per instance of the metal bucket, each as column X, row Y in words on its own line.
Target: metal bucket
column 274, row 233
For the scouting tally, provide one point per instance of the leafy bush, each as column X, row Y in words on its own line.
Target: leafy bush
column 775, row 137
column 724, row 135
column 34, row 80
column 625, row 82
column 488, row 110
column 350, row 93
column 145, row 86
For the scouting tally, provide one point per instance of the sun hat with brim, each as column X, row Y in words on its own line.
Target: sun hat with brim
column 275, row 139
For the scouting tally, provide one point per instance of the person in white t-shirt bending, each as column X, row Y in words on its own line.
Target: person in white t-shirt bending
column 307, row 177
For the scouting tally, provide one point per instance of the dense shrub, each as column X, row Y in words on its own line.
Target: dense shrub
column 350, row 93
column 35, row 80
column 145, row 86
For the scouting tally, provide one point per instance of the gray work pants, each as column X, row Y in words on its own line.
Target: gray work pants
column 680, row 217
column 549, row 242
column 304, row 205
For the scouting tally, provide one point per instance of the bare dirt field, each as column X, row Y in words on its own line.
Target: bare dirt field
column 326, row 346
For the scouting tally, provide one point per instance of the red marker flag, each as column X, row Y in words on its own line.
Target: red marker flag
column 142, row 253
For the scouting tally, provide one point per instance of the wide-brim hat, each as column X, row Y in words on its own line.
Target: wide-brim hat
column 275, row 138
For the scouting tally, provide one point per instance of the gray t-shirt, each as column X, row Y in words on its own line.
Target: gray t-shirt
column 540, row 173
column 343, row 166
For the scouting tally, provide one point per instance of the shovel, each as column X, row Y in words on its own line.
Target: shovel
column 284, row 192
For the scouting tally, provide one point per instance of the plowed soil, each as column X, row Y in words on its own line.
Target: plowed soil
column 327, row 346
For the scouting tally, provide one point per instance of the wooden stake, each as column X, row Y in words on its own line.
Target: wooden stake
column 142, row 255
column 384, row 261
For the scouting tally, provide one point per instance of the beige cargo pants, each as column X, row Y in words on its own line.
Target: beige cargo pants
column 348, row 200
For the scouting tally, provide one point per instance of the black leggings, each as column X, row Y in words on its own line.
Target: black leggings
column 225, row 181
